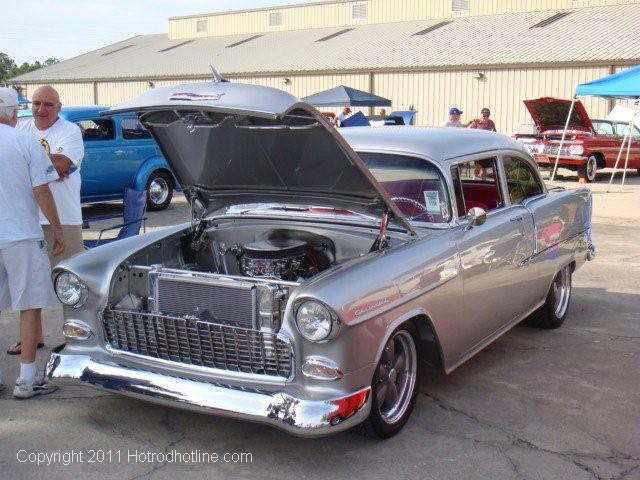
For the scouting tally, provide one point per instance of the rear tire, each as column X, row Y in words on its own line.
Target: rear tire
column 159, row 190
column 590, row 169
column 554, row 311
column 395, row 384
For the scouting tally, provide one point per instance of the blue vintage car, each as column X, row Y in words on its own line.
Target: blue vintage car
column 119, row 153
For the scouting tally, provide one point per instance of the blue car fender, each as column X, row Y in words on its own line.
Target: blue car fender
column 150, row 165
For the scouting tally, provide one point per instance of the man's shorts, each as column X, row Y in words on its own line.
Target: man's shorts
column 25, row 277
column 72, row 242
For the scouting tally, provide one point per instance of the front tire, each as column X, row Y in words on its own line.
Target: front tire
column 554, row 311
column 159, row 191
column 590, row 169
column 395, row 384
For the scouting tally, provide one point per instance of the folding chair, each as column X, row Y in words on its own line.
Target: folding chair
column 134, row 208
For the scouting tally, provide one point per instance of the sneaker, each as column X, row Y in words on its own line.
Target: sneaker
column 39, row 386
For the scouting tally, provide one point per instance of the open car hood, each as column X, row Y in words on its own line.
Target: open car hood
column 551, row 114
column 232, row 144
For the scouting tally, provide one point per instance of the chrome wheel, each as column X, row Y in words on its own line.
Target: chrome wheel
column 396, row 377
column 591, row 168
column 561, row 292
column 158, row 190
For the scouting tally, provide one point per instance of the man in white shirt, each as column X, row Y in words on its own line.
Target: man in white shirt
column 25, row 282
column 62, row 141
column 342, row 116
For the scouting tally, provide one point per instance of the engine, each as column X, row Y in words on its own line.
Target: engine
column 284, row 255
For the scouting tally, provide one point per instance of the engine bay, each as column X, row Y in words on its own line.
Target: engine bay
column 209, row 271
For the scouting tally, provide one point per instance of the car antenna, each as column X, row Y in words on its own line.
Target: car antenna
column 215, row 75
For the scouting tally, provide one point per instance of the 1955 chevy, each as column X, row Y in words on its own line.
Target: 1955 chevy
column 320, row 270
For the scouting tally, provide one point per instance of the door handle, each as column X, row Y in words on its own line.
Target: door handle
column 517, row 219
column 119, row 152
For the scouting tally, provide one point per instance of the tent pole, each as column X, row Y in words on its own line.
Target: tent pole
column 615, row 167
column 564, row 134
column 626, row 161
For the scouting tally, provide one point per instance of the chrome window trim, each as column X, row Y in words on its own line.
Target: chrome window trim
column 457, row 161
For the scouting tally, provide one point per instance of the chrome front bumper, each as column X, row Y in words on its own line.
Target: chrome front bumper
column 297, row 416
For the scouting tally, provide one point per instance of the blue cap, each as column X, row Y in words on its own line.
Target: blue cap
column 455, row 111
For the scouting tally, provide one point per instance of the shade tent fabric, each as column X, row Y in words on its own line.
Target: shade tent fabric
column 624, row 84
column 339, row 96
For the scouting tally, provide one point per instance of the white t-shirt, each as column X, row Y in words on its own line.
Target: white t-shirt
column 24, row 165
column 65, row 138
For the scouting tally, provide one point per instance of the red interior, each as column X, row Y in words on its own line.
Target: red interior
column 476, row 194
column 414, row 190
column 480, row 194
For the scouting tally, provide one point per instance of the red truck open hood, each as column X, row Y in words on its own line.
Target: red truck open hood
column 551, row 114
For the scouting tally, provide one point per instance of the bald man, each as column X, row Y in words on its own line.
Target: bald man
column 62, row 141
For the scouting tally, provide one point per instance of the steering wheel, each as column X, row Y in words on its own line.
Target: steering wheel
column 415, row 204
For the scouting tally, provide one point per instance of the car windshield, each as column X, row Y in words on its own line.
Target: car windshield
column 415, row 185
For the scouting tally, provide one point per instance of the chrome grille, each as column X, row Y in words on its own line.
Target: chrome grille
column 196, row 342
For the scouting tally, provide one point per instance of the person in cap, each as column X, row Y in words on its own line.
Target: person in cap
column 346, row 112
column 484, row 122
column 25, row 271
column 454, row 118
column 62, row 142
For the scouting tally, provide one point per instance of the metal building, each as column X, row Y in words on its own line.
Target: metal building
column 428, row 54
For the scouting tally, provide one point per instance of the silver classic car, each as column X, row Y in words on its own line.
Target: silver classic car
column 320, row 269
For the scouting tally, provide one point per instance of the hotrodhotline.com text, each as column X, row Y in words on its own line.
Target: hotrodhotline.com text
column 99, row 456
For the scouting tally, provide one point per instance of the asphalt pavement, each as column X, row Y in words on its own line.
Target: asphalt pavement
column 562, row 404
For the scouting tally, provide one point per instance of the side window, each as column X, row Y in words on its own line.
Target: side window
column 623, row 129
column 132, row 129
column 603, row 128
column 476, row 185
column 97, row 129
column 522, row 182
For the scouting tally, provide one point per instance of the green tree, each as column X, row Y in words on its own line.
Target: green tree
column 9, row 69
column 7, row 65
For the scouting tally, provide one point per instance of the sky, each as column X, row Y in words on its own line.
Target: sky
column 33, row 30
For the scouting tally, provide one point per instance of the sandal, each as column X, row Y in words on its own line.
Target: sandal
column 17, row 350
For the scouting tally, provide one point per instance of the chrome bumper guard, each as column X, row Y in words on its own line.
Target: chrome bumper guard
column 297, row 416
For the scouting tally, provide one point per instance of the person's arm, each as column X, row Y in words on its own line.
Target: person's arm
column 62, row 163
column 69, row 151
column 47, row 205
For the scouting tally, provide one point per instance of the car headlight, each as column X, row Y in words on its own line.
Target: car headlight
column 315, row 321
column 70, row 289
column 576, row 149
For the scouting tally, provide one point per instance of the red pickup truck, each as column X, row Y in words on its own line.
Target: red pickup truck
column 589, row 144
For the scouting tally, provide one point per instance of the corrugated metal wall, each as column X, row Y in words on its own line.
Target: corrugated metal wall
column 431, row 93
column 70, row 93
column 379, row 11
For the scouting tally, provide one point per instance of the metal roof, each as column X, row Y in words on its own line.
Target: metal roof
column 592, row 35
column 438, row 144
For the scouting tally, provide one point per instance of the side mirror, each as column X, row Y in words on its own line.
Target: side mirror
column 476, row 216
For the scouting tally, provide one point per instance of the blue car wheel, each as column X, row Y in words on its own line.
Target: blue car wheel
column 159, row 190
